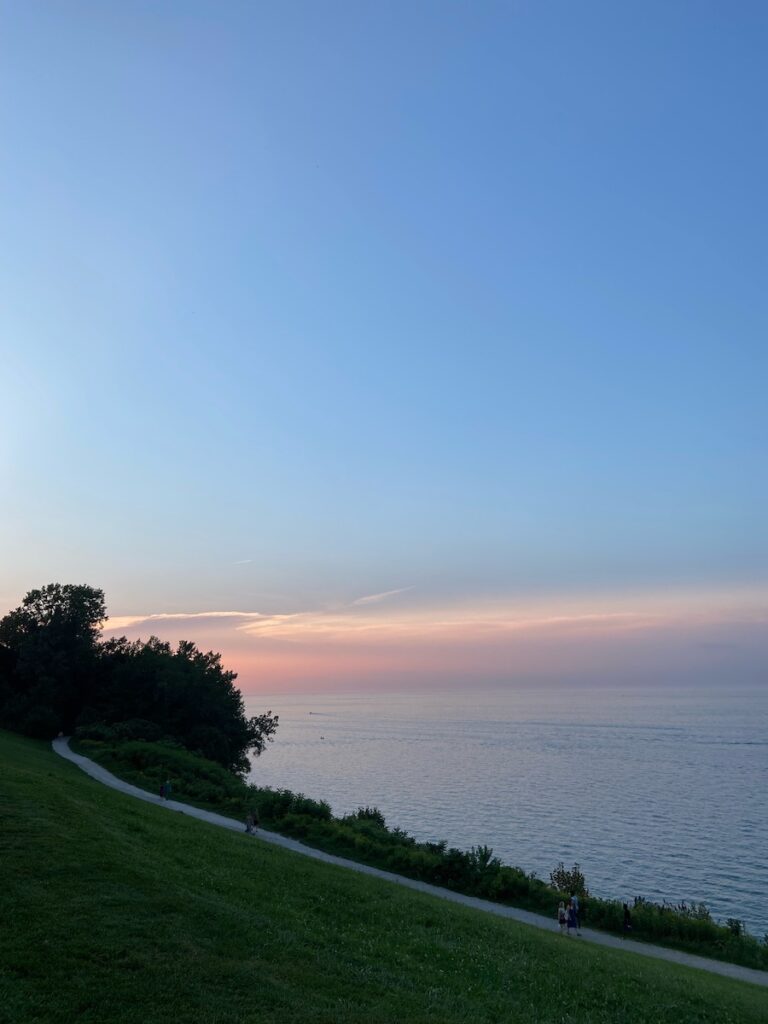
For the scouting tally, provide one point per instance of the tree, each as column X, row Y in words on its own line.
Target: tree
column 187, row 693
column 50, row 643
column 56, row 674
column 76, row 608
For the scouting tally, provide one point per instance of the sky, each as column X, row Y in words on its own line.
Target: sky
column 387, row 345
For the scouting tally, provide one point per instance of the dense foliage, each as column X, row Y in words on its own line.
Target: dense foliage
column 50, row 658
column 364, row 836
column 569, row 880
column 56, row 674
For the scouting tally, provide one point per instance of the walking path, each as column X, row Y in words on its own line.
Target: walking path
column 61, row 746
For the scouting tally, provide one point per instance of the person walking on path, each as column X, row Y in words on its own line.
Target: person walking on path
column 577, row 911
column 627, row 926
column 561, row 918
column 162, row 791
column 167, row 787
column 570, row 918
column 249, row 823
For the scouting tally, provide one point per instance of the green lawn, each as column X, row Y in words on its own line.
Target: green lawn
column 113, row 910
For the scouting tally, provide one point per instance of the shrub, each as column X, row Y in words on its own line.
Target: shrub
column 303, row 805
column 370, row 814
column 99, row 732
column 276, row 804
column 138, row 729
column 148, row 763
column 571, row 882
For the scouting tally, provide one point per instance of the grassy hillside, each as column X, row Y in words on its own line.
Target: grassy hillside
column 118, row 911
column 366, row 838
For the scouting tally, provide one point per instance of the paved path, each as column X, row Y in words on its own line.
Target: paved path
column 61, row 746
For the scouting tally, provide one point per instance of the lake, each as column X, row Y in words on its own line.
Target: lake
column 656, row 792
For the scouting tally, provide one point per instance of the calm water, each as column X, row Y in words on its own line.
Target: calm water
column 659, row 793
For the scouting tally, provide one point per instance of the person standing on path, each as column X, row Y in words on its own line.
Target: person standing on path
column 249, row 823
column 561, row 918
column 577, row 911
column 162, row 791
column 168, row 789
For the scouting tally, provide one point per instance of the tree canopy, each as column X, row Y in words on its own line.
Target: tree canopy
column 51, row 653
column 56, row 674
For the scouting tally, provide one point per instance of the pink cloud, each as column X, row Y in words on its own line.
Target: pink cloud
column 371, row 644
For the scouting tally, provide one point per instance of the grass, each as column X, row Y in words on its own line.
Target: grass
column 116, row 911
column 368, row 840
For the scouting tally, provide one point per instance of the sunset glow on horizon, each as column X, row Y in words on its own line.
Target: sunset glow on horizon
column 384, row 464
column 382, row 347
column 637, row 638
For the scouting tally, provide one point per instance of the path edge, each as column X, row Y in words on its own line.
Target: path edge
column 723, row 968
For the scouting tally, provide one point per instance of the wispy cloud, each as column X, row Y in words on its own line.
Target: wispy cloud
column 243, row 561
column 125, row 621
column 454, row 626
column 375, row 598
column 369, row 619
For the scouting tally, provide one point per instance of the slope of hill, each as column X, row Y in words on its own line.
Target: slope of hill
column 118, row 911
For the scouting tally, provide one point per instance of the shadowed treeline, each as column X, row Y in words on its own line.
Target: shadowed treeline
column 57, row 674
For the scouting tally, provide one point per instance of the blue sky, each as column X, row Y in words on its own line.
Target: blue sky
column 306, row 302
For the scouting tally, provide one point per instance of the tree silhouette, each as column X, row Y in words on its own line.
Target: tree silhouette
column 50, row 644
column 56, row 674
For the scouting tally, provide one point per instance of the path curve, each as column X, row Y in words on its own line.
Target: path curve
column 61, row 747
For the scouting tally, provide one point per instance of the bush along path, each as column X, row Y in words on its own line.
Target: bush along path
column 729, row 970
column 365, row 837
